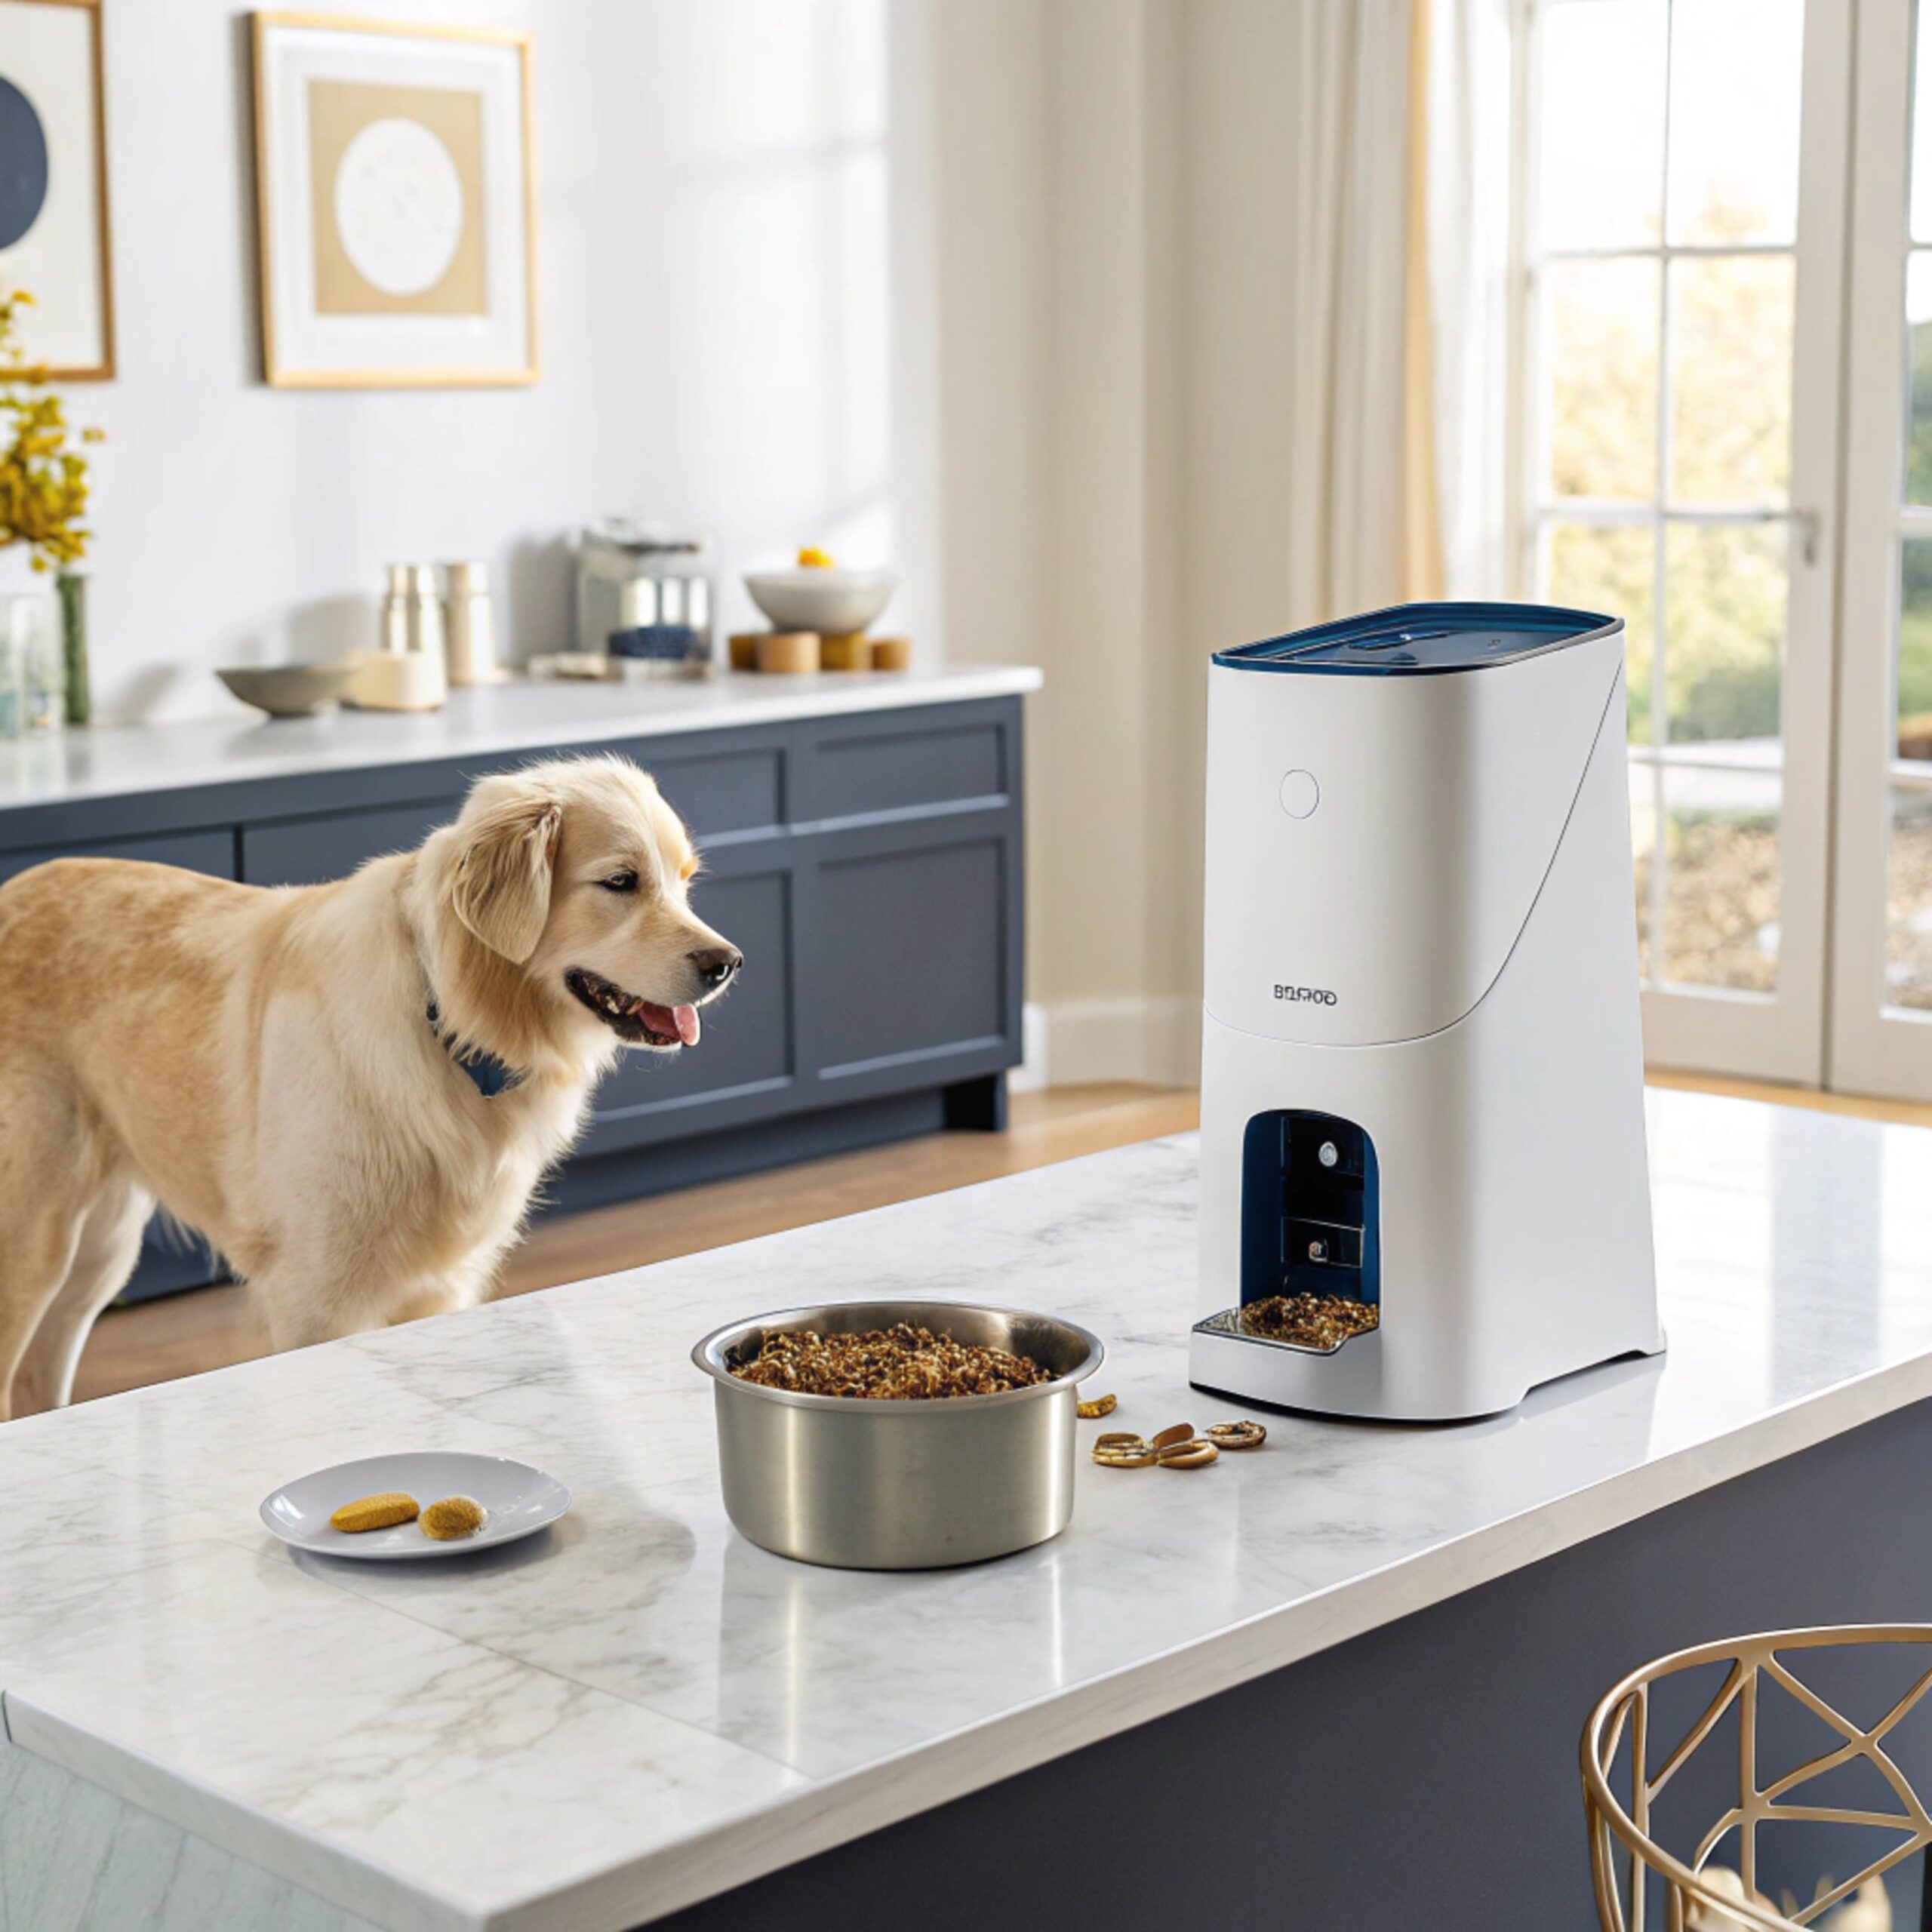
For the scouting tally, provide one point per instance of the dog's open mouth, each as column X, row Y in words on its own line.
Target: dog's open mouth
column 638, row 1022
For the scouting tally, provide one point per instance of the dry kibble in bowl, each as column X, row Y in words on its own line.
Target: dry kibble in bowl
column 374, row 1512
column 896, row 1364
column 452, row 1518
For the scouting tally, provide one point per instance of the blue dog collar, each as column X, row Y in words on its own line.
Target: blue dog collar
column 488, row 1074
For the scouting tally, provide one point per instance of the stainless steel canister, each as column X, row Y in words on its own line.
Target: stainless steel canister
column 890, row 1485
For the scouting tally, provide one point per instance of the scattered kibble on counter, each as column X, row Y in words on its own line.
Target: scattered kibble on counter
column 1176, row 1447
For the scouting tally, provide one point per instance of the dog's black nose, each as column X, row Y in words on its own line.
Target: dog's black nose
column 714, row 964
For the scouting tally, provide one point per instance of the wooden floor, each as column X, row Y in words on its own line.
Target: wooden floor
column 212, row 1327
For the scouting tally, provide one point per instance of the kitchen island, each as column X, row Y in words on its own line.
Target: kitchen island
column 1338, row 1683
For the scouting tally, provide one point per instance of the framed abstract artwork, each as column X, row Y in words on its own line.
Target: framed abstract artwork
column 54, row 185
column 396, row 192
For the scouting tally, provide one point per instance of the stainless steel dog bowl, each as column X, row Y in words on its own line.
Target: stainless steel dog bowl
column 877, row 1485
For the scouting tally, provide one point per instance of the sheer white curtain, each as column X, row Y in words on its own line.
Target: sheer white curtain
column 1348, row 101
column 1468, row 110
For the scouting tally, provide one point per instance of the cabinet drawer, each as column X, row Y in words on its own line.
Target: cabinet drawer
column 867, row 768
column 209, row 852
column 721, row 791
column 306, row 852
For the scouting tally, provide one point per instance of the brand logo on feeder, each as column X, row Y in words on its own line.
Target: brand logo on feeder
column 1314, row 995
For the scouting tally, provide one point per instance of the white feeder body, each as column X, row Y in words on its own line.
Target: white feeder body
column 1422, row 1064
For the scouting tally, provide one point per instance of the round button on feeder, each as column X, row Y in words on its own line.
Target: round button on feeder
column 1300, row 793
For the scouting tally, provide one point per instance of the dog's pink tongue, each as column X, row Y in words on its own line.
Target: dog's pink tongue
column 688, row 1026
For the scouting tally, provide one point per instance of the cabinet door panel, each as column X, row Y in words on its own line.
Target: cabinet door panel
column 307, row 851
column 910, row 952
column 745, row 1053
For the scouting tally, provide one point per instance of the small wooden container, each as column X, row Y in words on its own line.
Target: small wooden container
column 892, row 653
column 744, row 651
column 789, row 652
column 852, row 651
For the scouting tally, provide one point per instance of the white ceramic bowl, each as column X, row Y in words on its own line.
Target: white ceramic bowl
column 517, row 1500
column 831, row 602
column 289, row 690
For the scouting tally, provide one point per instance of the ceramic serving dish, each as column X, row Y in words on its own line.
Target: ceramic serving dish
column 518, row 1501
column 289, row 690
column 832, row 602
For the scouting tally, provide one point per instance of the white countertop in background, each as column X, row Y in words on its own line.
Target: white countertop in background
column 641, row 1709
column 109, row 761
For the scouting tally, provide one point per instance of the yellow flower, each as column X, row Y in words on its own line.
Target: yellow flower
column 43, row 478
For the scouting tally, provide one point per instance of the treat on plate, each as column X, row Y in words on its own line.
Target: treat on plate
column 452, row 1518
column 811, row 557
column 374, row 1512
column 1101, row 1405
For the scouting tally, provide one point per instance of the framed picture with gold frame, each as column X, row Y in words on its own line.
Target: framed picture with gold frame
column 54, row 185
column 396, row 193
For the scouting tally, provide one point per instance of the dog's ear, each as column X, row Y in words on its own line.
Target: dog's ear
column 502, row 888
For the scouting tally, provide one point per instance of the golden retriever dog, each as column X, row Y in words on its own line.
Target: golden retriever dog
column 294, row 1071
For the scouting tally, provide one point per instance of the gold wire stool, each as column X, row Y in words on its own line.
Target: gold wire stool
column 1627, row 1709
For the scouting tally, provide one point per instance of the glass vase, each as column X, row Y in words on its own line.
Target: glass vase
column 36, row 674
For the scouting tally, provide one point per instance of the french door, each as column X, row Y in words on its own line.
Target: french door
column 1881, row 1030
column 1681, row 235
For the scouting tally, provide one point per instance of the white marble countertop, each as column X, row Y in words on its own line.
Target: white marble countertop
column 111, row 761
column 641, row 1709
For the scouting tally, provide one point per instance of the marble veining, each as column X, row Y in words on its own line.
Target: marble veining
column 111, row 760
column 638, row 1708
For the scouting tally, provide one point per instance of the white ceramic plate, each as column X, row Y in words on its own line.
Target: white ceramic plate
column 518, row 1500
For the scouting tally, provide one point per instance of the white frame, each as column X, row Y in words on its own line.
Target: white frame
column 65, row 261
column 1875, row 1049
column 1778, row 1035
column 303, row 349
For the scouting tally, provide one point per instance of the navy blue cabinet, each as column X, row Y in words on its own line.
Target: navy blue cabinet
column 868, row 864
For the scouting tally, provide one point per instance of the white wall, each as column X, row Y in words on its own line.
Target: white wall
column 736, row 331
column 1120, row 263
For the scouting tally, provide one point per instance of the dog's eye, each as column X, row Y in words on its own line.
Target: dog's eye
column 625, row 881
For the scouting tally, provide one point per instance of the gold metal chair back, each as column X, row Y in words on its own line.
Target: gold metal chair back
column 1622, row 1850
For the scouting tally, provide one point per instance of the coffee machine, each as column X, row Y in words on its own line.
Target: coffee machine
column 1422, row 1064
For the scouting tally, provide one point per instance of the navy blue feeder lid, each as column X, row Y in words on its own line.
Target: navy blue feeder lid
column 1415, row 640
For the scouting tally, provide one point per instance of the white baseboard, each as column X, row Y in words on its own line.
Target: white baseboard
column 1031, row 1074
column 1156, row 1040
